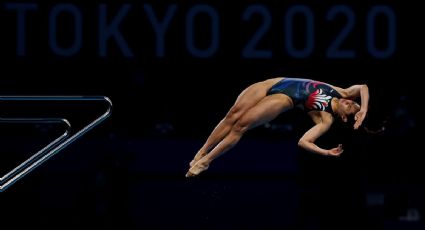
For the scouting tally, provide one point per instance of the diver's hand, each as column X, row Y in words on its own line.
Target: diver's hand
column 336, row 151
column 359, row 117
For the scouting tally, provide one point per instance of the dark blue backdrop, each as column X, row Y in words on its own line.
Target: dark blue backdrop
column 172, row 70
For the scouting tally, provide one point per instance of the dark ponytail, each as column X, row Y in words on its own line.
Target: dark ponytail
column 370, row 128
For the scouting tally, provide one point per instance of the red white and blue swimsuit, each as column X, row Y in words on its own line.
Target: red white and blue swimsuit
column 307, row 94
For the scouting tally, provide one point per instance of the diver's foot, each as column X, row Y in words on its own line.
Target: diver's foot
column 197, row 157
column 197, row 168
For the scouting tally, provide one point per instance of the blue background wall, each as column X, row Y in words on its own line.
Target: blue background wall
column 170, row 89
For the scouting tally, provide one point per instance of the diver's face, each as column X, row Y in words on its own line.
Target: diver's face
column 347, row 108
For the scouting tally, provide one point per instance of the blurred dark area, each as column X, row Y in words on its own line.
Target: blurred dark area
column 172, row 69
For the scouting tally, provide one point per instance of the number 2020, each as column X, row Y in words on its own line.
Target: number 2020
column 334, row 49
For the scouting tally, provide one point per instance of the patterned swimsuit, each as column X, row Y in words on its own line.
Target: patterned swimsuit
column 307, row 94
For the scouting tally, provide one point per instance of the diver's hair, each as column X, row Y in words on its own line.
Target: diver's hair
column 370, row 126
column 377, row 123
column 375, row 129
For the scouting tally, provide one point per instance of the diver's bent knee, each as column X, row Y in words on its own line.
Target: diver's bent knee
column 240, row 127
column 233, row 115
